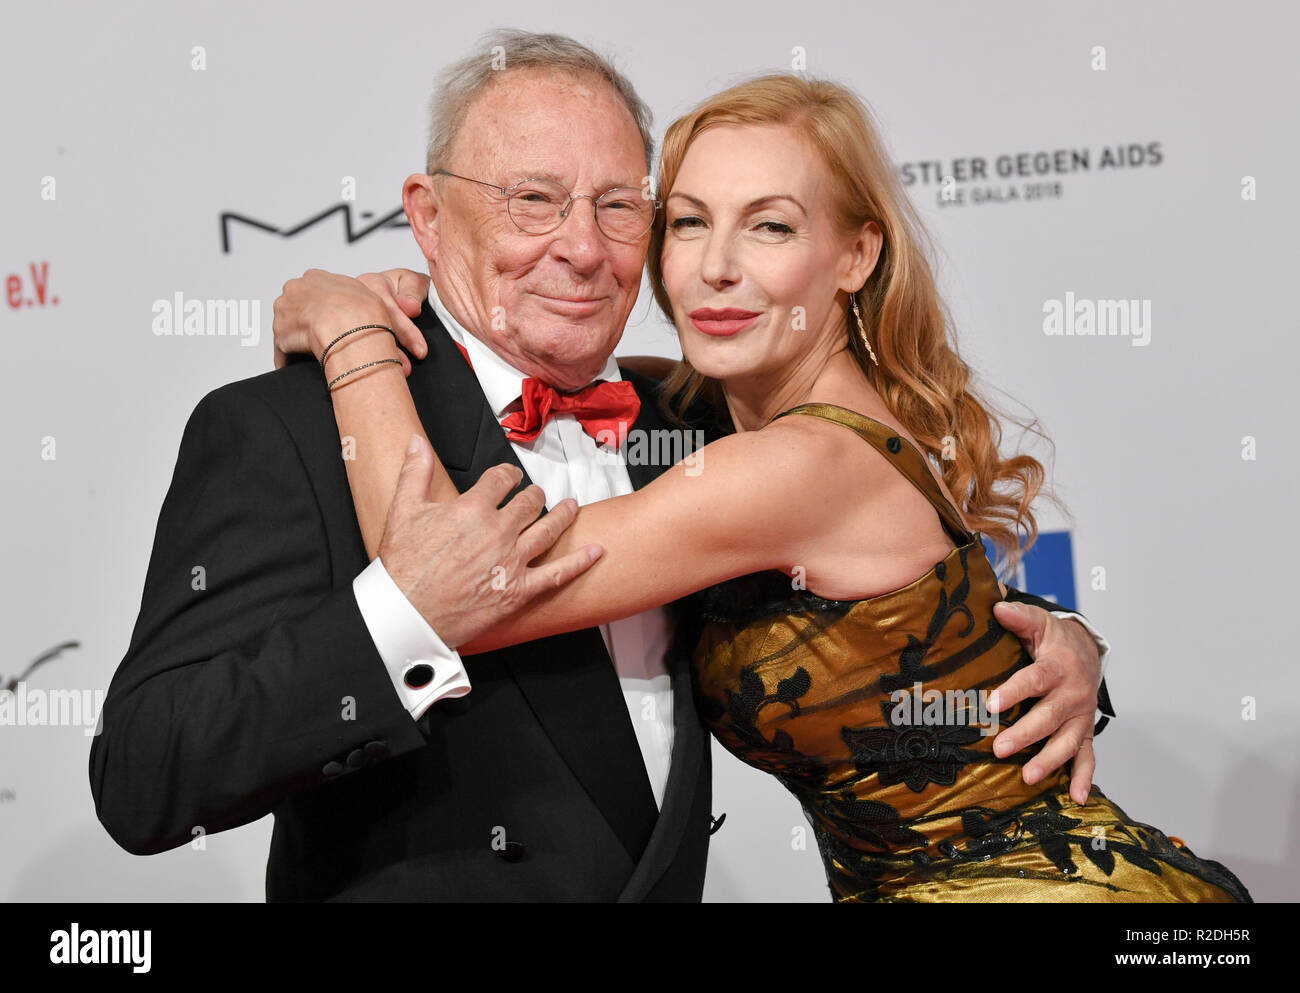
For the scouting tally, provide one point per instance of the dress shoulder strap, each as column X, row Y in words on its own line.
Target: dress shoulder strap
column 900, row 453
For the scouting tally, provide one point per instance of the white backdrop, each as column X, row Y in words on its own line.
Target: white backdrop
column 1177, row 457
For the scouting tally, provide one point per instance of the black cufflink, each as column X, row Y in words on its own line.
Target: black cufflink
column 418, row 676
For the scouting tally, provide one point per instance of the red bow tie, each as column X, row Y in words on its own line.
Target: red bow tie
column 608, row 406
column 605, row 407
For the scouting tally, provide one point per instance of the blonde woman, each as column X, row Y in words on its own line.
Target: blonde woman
column 842, row 572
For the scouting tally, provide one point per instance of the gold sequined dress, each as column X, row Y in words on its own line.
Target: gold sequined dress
column 872, row 713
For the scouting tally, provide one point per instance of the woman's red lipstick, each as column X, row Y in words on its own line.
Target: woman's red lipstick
column 723, row 322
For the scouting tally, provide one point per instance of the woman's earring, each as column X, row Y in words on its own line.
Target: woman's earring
column 857, row 315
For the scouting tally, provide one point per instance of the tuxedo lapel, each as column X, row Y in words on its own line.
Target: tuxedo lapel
column 690, row 744
column 569, row 680
column 649, row 419
column 451, row 404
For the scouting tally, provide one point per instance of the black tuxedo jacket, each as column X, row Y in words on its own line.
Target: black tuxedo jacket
column 251, row 686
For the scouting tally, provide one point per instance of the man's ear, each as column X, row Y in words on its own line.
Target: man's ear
column 420, row 200
column 864, row 254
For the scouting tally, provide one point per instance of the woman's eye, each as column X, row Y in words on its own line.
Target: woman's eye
column 686, row 222
column 776, row 227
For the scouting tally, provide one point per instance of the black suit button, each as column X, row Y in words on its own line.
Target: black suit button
column 332, row 769
column 894, row 444
column 356, row 759
column 376, row 750
column 418, row 676
column 513, row 852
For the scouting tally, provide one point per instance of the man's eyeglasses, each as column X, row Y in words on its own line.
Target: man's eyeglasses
column 539, row 206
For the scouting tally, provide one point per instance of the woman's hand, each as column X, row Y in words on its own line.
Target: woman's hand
column 403, row 292
column 316, row 307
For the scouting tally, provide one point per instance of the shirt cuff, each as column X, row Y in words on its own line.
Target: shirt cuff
column 409, row 647
column 1103, row 646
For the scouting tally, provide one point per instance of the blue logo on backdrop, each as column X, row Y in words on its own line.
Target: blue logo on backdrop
column 1047, row 570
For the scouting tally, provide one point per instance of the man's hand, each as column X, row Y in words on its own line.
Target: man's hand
column 464, row 565
column 317, row 306
column 1065, row 675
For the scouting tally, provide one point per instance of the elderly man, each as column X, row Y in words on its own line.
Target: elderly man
column 274, row 669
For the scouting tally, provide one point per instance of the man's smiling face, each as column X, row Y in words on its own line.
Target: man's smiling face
column 553, row 305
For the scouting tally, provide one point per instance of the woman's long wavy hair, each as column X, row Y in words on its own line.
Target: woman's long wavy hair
column 920, row 376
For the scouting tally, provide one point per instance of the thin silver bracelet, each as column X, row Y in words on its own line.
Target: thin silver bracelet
column 363, row 327
column 367, row 365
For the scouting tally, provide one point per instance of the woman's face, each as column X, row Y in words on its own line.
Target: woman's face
column 752, row 258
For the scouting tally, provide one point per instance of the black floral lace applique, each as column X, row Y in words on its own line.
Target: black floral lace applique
column 913, row 754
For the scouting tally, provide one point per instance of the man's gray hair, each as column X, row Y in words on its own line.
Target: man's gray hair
column 508, row 49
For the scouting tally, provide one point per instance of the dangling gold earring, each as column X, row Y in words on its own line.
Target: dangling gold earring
column 857, row 315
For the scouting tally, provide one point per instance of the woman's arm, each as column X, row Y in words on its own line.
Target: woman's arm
column 742, row 504
column 740, row 507
column 374, row 410
column 746, row 510
column 376, row 418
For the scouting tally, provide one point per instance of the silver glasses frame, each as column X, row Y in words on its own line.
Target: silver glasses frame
column 509, row 193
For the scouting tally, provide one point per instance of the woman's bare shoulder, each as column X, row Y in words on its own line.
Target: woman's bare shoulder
column 881, row 414
column 835, row 468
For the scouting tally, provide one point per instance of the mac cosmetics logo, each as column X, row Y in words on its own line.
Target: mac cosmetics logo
column 353, row 229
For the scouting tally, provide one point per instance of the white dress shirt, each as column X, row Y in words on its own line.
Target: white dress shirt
column 565, row 462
